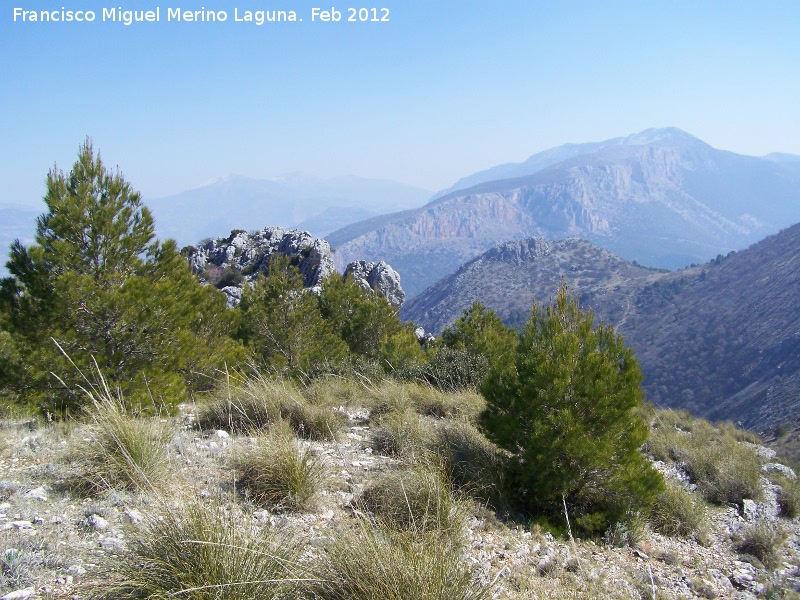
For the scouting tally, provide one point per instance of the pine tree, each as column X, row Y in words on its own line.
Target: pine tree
column 481, row 331
column 368, row 324
column 565, row 410
column 282, row 325
column 98, row 283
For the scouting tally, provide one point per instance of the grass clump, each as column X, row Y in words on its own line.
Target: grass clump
column 401, row 433
column 764, row 541
column 276, row 473
column 417, row 499
column 258, row 402
column 788, row 494
column 472, row 462
column 380, row 563
column 124, row 452
column 678, row 512
column 716, row 459
column 200, row 553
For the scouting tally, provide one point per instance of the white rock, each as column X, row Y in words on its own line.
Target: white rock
column 39, row 493
column 97, row 522
column 222, row 434
column 28, row 592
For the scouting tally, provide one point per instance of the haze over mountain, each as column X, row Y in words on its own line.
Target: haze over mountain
column 294, row 201
column 16, row 223
column 661, row 197
column 720, row 339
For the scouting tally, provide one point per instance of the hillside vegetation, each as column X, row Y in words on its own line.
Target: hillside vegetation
column 306, row 444
column 721, row 339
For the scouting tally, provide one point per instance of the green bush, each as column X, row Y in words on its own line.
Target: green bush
column 455, row 369
column 564, row 405
column 98, row 281
column 199, row 553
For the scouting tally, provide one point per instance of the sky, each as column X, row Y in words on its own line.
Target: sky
column 442, row 90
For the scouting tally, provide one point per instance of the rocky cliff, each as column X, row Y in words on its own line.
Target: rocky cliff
column 662, row 198
column 231, row 263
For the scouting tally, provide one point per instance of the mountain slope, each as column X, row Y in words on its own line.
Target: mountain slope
column 661, row 197
column 720, row 339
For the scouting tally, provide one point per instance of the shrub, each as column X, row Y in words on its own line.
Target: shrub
column 418, row 499
column 197, row 552
column 278, row 474
column 764, row 541
column 456, row 369
column 378, row 563
column 565, row 406
column 678, row 512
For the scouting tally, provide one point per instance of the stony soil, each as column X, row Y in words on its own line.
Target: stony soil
column 51, row 538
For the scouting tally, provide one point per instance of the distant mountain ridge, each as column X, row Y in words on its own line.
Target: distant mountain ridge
column 294, row 201
column 720, row 339
column 661, row 197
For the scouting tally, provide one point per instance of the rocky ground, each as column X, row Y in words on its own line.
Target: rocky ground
column 51, row 538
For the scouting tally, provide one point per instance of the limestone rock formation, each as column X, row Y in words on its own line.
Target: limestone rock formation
column 379, row 277
column 232, row 262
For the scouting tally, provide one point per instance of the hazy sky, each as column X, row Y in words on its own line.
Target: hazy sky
column 444, row 89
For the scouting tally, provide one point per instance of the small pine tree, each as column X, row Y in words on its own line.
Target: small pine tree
column 282, row 325
column 480, row 330
column 368, row 324
column 98, row 283
column 564, row 409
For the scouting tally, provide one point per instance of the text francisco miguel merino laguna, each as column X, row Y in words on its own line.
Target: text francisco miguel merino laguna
column 257, row 17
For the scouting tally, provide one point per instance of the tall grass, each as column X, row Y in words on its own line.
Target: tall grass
column 200, row 553
column 474, row 465
column 276, row 473
column 257, row 402
column 724, row 469
column 123, row 452
column 417, row 498
column 379, row 563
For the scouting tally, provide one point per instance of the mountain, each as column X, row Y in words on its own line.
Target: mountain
column 320, row 205
column 660, row 197
column 509, row 277
column 720, row 339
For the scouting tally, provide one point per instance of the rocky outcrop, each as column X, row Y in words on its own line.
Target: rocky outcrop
column 231, row 263
column 380, row 277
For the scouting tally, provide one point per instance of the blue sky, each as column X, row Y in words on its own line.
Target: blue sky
column 444, row 89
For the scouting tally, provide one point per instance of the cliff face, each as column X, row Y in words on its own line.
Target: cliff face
column 231, row 263
column 661, row 198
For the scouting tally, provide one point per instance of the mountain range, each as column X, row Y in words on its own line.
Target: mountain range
column 721, row 339
column 292, row 202
column 660, row 197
